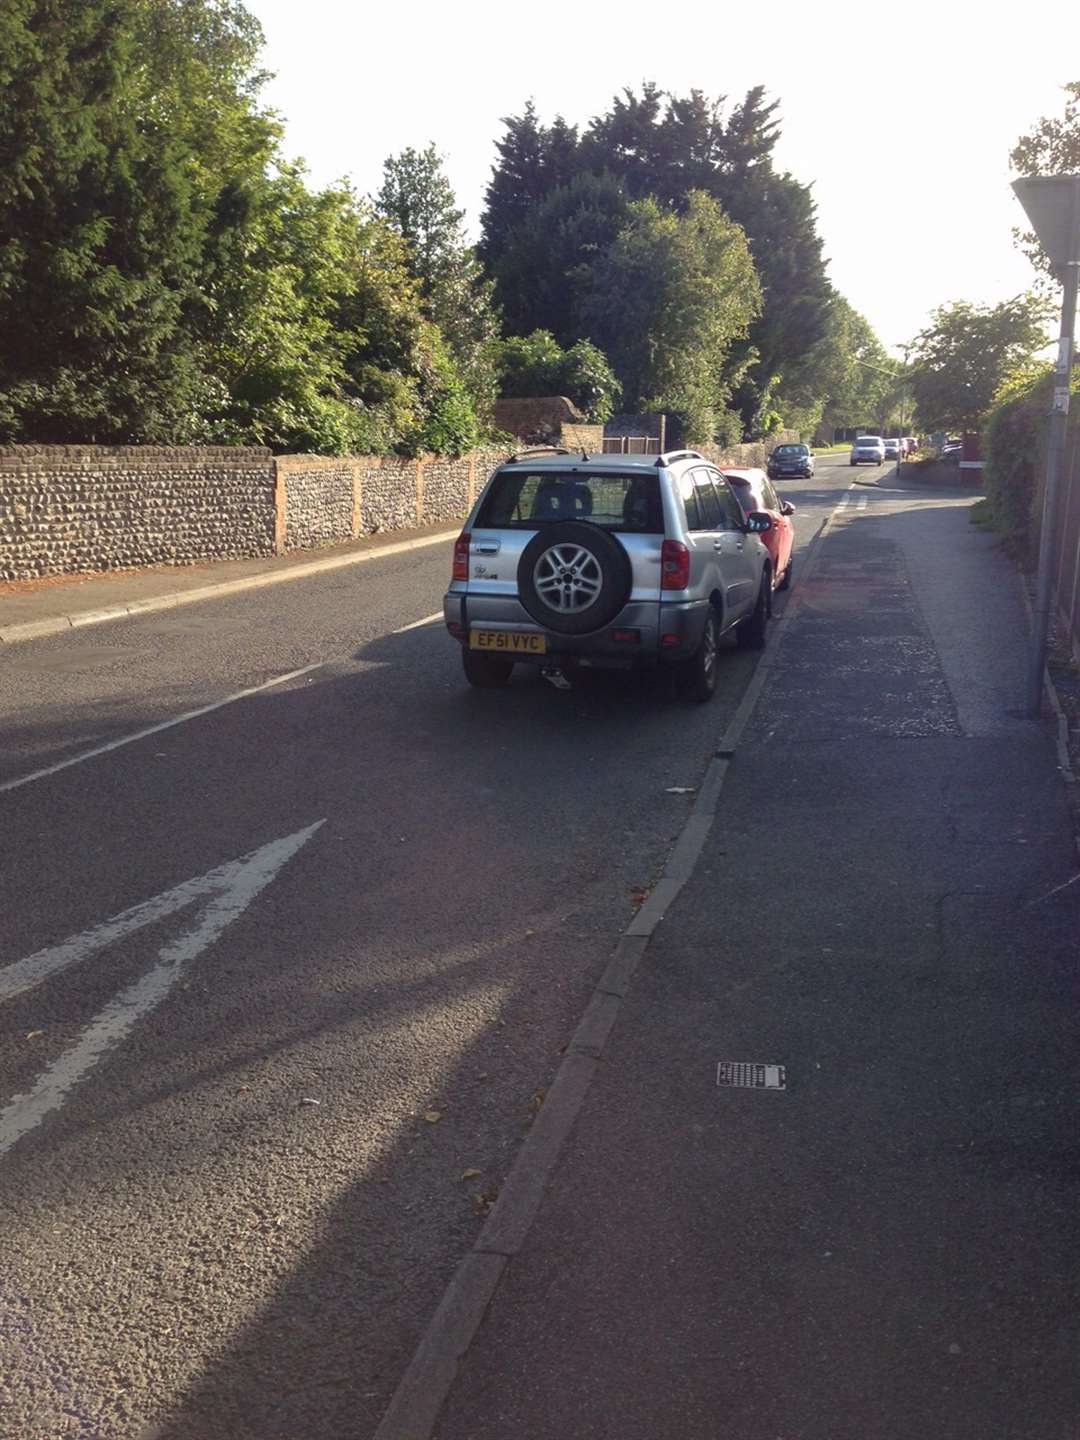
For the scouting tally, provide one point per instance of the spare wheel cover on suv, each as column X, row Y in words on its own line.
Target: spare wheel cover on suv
column 573, row 577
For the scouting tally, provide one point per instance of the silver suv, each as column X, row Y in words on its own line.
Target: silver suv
column 607, row 561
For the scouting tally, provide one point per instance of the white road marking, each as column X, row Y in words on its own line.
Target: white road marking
column 227, row 891
column 864, row 501
column 845, row 501
column 416, row 624
column 156, row 729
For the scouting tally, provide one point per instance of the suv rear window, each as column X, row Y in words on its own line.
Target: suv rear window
column 521, row 500
column 792, row 450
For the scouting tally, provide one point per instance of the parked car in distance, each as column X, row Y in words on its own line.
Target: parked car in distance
column 607, row 561
column 868, row 450
column 755, row 494
column 791, row 460
column 893, row 450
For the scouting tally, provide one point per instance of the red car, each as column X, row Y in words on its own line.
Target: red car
column 755, row 492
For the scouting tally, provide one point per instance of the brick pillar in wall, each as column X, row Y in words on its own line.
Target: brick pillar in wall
column 472, row 480
column 280, row 503
column 357, row 498
column 419, row 492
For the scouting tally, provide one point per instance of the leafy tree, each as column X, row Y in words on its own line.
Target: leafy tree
column 856, row 371
column 165, row 276
column 959, row 361
column 523, row 176
column 665, row 148
column 543, row 274
column 666, row 302
column 626, row 142
column 418, row 200
column 316, row 324
column 1051, row 148
column 102, row 220
column 537, row 365
column 447, row 423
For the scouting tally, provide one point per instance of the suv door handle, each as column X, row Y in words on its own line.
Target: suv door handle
column 486, row 547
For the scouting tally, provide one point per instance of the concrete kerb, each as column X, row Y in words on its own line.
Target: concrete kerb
column 58, row 625
column 414, row 1409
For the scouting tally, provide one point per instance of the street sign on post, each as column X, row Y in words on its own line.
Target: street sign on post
column 1052, row 203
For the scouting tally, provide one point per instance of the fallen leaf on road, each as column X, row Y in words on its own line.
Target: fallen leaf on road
column 432, row 1116
column 484, row 1200
column 535, row 1101
column 639, row 894
column 471, row 1174
column 307, row 1100
column 33, row 1034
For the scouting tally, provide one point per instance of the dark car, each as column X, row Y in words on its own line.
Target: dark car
column 791, row 460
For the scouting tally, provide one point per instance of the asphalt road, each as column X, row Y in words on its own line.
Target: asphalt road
column 250, row 1126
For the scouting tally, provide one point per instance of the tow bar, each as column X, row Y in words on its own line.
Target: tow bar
column 555, row 675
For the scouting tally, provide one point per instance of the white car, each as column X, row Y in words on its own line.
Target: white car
column 893, row 449
column 868, row 450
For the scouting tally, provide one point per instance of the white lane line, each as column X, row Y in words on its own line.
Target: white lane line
column 187, row 715
column 864, row 501
column 229, row 890
column 416, row 624
column 157, row 729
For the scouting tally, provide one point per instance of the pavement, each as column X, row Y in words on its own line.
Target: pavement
column 298, row 937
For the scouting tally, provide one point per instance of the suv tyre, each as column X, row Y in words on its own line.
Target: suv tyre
column 485, row 672
column 751, row 632
column 698, row 675
column 573, row 577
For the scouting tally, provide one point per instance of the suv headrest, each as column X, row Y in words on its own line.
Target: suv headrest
column 556, row 500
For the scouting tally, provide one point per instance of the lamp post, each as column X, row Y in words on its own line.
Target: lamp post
column 1052, row 204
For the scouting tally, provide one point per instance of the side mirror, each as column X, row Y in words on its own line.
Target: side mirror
column 757, row 522
column 786, row 507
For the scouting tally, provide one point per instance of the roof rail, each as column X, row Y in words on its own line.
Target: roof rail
column 538, row 450
column 672, row 455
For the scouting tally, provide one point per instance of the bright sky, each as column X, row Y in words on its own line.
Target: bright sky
column 901, row 116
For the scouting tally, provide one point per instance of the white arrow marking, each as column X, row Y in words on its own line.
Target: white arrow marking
column 228, row 891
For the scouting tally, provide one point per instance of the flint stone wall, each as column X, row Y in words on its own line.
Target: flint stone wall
column 319, row 500
column 72, row 509
column 67, row 509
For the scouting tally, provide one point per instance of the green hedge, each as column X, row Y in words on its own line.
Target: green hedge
column 1014, row 446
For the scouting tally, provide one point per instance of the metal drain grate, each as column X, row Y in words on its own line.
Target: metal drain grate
column 742, row 1075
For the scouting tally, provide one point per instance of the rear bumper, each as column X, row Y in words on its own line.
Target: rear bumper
column 664, row 632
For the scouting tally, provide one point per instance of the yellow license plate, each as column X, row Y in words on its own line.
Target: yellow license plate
column 508, row 642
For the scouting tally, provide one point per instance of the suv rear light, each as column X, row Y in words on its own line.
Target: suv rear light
column 674, row 565
column 461, row 556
